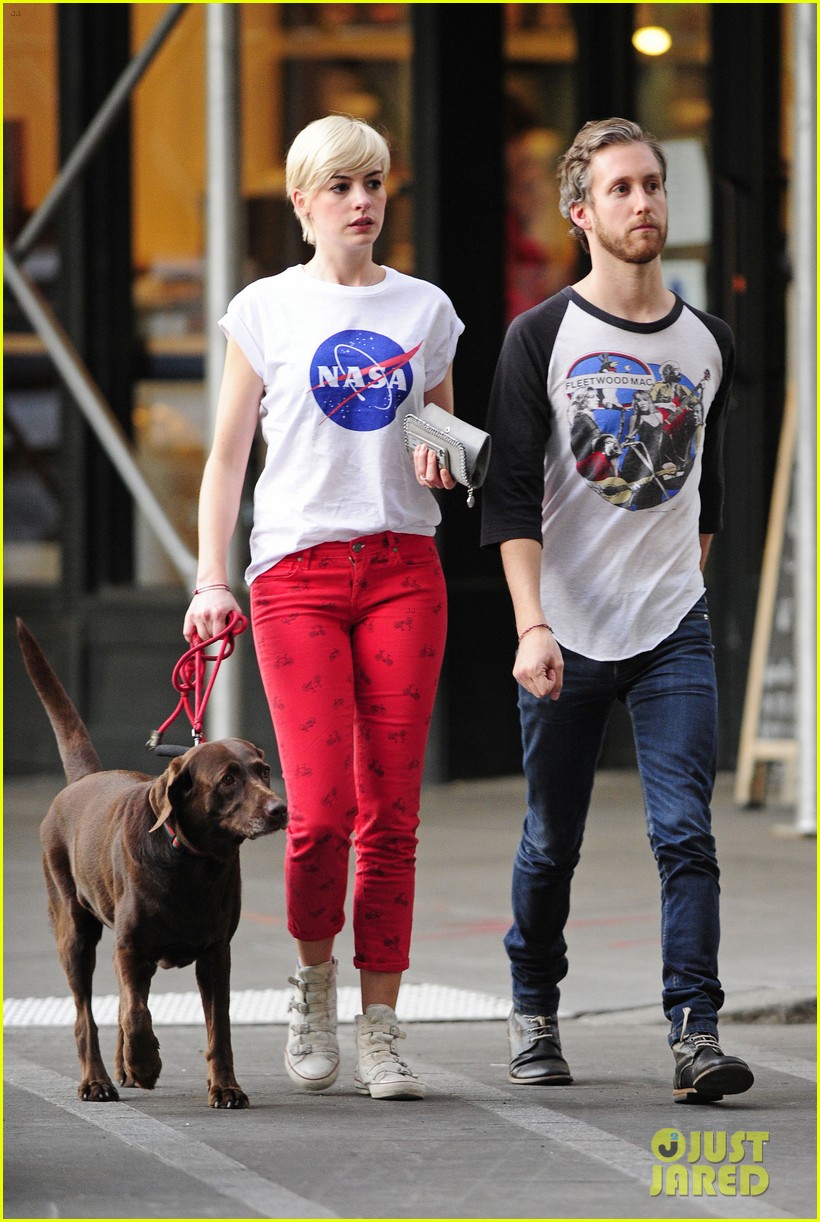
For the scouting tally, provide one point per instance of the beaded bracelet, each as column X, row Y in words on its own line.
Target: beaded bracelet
column 531, row 628
column 217, row 586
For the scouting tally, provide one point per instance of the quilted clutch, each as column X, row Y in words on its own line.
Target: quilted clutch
column 459, row 447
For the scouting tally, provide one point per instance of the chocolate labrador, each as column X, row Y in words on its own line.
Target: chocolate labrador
column 156, row 859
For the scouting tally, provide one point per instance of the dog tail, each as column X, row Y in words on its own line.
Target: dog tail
column 76, row 750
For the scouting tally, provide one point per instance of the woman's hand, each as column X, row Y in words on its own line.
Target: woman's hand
column 539, row 665
column 428, row 472
column 208, row 613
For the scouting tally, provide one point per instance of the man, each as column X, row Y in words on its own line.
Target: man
column 607, row 558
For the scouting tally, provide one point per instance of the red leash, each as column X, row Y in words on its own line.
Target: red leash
column 189, row 677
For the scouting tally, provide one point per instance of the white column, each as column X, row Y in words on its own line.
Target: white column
column 803, row 358
column 222, row 262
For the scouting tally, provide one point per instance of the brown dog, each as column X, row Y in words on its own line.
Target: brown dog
column 156, row 859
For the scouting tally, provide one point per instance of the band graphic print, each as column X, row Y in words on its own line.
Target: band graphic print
column 635, row 428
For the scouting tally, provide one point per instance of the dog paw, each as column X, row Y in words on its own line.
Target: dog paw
column 98, row 1090
column 227, row 1097
column 142, row 1073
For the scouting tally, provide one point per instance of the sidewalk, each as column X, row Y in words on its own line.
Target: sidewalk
column 477, row 1147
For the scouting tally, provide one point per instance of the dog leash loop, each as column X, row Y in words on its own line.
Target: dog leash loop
column 188, row 678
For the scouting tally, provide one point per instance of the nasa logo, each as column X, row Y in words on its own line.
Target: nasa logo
column 359, row 379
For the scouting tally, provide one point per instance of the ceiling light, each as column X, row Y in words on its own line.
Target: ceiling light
column 652, row 40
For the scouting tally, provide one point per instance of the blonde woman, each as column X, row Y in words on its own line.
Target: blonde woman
column 348, row 602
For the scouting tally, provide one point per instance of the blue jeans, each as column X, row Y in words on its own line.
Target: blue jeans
column 670, row 693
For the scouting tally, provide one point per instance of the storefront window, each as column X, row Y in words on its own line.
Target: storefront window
column 673, row 102
column 540, row 50
column 297, row 62
column 673, row 84
column 32, row 427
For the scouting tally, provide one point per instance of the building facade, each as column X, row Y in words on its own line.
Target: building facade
column 478, row 101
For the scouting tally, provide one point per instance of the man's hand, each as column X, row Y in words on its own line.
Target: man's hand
column 539, row 666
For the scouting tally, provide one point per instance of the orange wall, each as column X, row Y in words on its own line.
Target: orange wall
column 169, row 139
column 30, row 92
column 168, row 117
column 169, row 127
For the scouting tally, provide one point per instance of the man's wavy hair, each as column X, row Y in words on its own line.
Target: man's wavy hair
column 573, row 167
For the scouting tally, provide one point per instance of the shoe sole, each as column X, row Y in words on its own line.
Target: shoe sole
column 311, row 1084
column 391, row 1091
column 711, row 1087
column 554, row 1080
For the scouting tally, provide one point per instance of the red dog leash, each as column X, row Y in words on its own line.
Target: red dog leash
column 189, row 678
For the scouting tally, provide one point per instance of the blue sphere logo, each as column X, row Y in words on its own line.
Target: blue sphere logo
column 359, row 379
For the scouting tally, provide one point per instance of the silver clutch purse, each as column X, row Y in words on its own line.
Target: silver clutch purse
column 459, row 447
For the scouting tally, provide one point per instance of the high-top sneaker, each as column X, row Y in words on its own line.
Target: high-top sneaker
column 381, row 1073
column 312, row 1050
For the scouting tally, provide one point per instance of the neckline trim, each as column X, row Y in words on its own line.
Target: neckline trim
column 330, row 287
column 627, row 324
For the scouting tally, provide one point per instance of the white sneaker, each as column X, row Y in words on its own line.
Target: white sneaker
column 312, row 1050
column 381, row 1073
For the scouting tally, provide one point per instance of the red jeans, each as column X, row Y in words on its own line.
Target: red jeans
column 350, row 638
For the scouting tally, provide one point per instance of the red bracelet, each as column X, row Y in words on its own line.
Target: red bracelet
column 532, row 628
column 218, row 586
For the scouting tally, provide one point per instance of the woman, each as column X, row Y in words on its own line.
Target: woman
column 348, row 603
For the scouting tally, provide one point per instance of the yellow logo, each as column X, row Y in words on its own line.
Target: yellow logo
column 709, row 1163
column 668, row 1145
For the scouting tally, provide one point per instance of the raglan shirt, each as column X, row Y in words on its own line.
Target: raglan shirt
column 607, row 450
column 341, row 367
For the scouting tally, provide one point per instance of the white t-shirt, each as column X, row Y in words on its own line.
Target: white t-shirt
column 341, row 367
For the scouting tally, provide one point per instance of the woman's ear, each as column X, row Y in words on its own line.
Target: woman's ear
column 299, row 201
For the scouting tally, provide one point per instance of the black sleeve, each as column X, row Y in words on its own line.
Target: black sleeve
column 712, row 478
column 519, row 420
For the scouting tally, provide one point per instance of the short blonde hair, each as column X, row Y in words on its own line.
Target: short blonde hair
column 337, row 144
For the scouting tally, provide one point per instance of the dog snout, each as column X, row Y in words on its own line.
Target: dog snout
column 277, row 812
column 270, row 814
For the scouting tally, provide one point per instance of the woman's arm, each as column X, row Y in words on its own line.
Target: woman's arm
column 220, row 494
column 424, row 460
column 442, row 395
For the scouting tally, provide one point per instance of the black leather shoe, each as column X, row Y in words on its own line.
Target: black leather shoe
column 535, row 1051
column 704, row 1074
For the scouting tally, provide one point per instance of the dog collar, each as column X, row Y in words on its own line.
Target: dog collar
column 180, row 845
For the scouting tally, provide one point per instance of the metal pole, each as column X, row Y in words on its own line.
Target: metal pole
column 804, row 353
column 96, row 130
column 222, row 273
column 97, row 412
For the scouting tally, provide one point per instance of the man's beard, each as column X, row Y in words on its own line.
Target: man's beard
column 628, row 250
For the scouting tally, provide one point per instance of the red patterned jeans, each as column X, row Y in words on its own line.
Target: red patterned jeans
column 350, row 638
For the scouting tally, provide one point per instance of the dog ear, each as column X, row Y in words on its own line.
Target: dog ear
column 164, row 794
column 257, row 750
